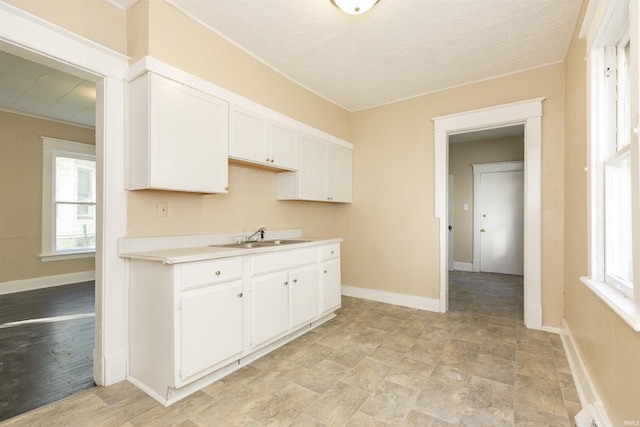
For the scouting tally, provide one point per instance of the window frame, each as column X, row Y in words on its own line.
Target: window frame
column 51, row 148
column 608, row 24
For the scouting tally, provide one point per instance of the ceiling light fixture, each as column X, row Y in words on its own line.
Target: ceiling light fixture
column 354, row 7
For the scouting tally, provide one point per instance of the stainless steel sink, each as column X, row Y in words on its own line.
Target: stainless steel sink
column 262, row 244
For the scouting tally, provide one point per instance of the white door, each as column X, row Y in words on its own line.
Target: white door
column 502, row 222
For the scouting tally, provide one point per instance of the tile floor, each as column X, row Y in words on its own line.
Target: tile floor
column 373, row 365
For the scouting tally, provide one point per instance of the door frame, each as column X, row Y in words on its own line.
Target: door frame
column 479, row 169
column 451, row 222
column 529, row 113
column 31, row 37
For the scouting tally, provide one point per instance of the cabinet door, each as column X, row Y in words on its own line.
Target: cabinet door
column 269, row 307
column 340, row 175
column 211, row 329
column 303, row 284
column 284, row 146
column 188, row 138
column 248, row 136
column 331, row 285
column 314, row 157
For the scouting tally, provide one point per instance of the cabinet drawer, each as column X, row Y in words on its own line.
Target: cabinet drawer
column 282, row 260
column 207, row 272
column 331, row 251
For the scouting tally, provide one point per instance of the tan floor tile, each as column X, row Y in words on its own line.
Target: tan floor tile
column 442, row 400
column 531, row 417
column 337, row 405
column 418, row 419
column 462, row 350
column 233, row 409
column 388, row 354
column 283, row 408
column 403, row 337
column 426, row 352
column 324, row 376
column 540, row 394
column 390, row 403
column 305, row 420
column 474, row 418
column 410, row 373
column 350, row 354
column 471, row 333
column 367, row 374
column 491, row 397
column 535, row 366
column 495, row 369
column 274, row 380
column 504, row 348
column 362, row 420
column 175, row 414
column 568, row 388
column 452, row 370
column 433, row 334
column 311, row 355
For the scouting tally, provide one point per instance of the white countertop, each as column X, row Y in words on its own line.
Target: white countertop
column 203, row 253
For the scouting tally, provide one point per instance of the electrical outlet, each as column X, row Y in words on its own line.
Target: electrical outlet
column 163, row 209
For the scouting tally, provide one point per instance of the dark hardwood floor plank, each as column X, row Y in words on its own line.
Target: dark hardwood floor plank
column 41, row 363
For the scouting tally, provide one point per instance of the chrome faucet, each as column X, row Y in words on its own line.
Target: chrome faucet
column 261, row 231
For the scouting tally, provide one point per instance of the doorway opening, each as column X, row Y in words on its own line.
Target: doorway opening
column 527, row 114
column 486, row 198
column 30, row 37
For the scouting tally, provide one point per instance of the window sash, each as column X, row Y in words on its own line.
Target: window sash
column 617, row 228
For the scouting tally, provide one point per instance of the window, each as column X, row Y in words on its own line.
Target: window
column 613, row 146
column 68, row 200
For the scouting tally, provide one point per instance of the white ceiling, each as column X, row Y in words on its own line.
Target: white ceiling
column 398, row 50
column 32, row 88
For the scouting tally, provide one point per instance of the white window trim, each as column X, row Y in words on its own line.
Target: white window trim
column 601, row 17
column 51, row 147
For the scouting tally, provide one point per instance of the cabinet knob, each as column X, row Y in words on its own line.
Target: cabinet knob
column 266, row 160
column 286, row 283
column 240, row 295
column 218, row 273
column 295, row 280
column 325, row 272
column 271, row 160
column 333, row 252
column 226, row 188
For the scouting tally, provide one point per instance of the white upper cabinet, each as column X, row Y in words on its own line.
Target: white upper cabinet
column 178, row 137
column 257, row 139
column 324, row 173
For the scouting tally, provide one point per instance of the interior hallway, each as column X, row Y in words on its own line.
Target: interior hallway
column 374, row 365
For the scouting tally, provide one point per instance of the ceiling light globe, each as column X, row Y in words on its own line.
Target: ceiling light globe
column 354, row 7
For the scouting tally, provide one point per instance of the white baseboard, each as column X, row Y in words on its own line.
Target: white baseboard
column 584, row 385
column 411, row 301
column 45, row 282
column 552, row 329
column 462, row 266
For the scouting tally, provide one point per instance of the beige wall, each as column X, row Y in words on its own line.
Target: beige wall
column 461, row 156
column 391, row 235
column 609, row 348
column 21, row 189
column 96, row 20
column 165, row 33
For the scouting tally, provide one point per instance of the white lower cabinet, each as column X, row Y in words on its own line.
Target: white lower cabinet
column 331, row 283
column 192, row 323
column 269, row 307
column 211, row 327
column 284, row 293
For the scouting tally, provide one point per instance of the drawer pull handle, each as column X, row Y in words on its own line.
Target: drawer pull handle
column 218, row 273
column 240, row 295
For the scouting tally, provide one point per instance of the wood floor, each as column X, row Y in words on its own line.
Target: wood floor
column 49, row 359
column 373, row 365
